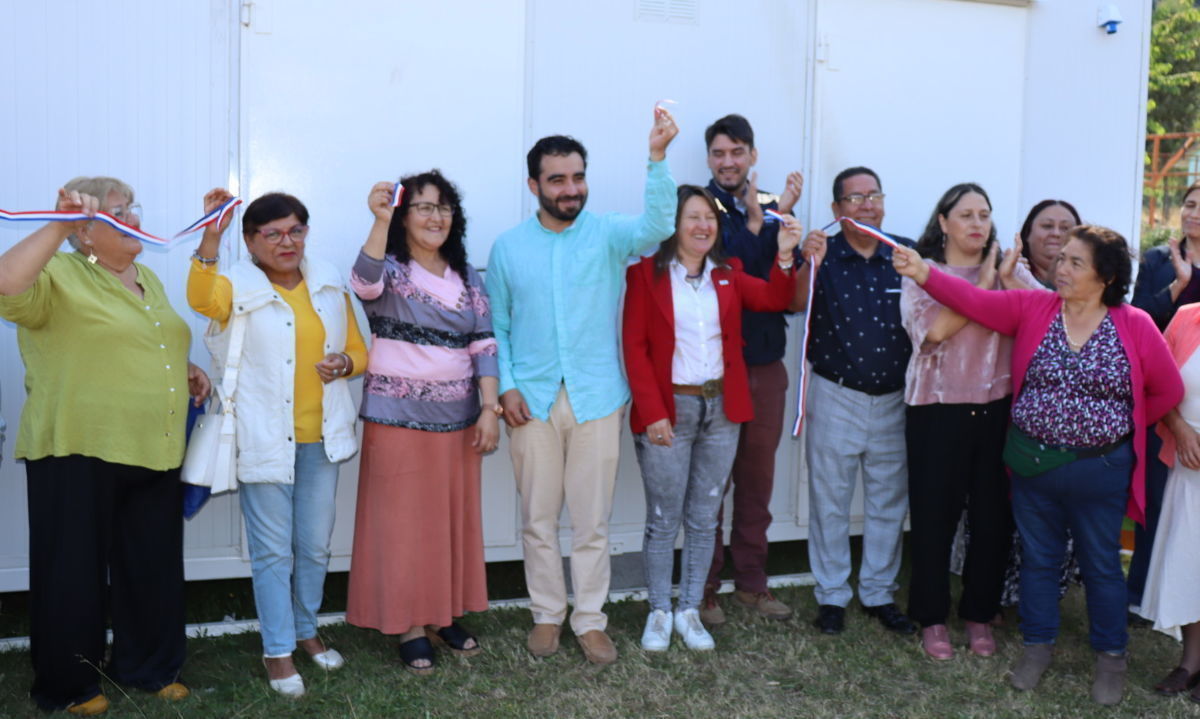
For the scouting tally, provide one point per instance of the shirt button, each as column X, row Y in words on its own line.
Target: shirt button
column 289, row 439
column 168, row 434
column 289, row 361
column 162, row 347
column 172, row 389
column 172, row 412
column 147, row 306
column 168, row 366
column 158, row 324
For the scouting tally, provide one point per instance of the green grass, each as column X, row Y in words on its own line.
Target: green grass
column 760, row 669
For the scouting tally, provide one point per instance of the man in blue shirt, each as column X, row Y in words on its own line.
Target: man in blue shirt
column 555, row 284
column 752, row 236
column 855, row 413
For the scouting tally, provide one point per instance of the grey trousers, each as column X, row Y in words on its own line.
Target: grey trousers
column 849, row 431
column 685, row 484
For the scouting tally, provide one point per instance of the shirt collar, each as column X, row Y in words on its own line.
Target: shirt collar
column 681, row 272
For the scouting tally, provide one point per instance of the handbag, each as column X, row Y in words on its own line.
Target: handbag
column 211, row 458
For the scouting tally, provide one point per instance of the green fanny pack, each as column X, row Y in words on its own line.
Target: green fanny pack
column 1029, row 457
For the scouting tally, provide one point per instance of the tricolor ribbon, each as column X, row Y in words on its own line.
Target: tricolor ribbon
column 397, row 194
column 216, row 216
column 56, row 216
column 802, row 385
column 868, row 230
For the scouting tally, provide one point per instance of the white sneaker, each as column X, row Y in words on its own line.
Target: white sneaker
column 688, row 626
column 657, row 637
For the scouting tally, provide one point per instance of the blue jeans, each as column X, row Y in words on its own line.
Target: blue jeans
column 685, row 484
column 1088, row 496
column 288, row 527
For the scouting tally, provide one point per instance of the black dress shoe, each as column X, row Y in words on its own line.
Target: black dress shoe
column 830, row 619
column 892, row 618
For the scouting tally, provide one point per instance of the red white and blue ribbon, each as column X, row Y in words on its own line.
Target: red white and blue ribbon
column 397, row 194
column 869, row 230
column 55, row 216
column 802, row 384
column 216, row 216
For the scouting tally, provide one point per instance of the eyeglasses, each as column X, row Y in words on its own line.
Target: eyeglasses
column 274, row 237
column 125, row 213
column 858, row 198
column 425, row 209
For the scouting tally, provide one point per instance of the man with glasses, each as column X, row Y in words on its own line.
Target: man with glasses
column 752, row 236
column 855, row 412
column 555, row 284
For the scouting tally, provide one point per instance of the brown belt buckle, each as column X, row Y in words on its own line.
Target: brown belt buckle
column 711, row 389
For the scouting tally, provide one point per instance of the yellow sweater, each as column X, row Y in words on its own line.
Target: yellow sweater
column 211, row 294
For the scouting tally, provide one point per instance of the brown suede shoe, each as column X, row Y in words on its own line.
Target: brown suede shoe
column 711, row 613
column 1108, row 682
column 543, row 639
column 173, row 692
column 763, row 603
column 597, row 647
column 96, row 705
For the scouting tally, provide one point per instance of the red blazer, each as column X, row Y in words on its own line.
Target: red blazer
column 648, row 335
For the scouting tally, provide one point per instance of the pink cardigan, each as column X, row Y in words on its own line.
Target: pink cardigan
column 1026, row 316
column 1183, row 337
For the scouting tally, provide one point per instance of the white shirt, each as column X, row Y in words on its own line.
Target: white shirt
column 698, row 351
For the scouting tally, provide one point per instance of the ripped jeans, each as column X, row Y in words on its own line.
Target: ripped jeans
column 685, row 484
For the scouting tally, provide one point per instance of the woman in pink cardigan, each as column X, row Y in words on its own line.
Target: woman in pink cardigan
column 1089, row 373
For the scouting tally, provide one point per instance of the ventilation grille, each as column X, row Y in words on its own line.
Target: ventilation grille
column 677, row 11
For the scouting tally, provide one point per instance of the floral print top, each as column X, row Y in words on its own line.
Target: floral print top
column 1082, row 399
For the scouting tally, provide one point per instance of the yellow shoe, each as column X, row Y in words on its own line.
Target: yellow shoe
column 96, row 705
column 173, row 692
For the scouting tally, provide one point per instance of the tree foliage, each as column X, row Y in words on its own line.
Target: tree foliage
column 1174, row 86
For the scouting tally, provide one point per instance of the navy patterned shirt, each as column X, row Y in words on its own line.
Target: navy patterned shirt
column 855, row 335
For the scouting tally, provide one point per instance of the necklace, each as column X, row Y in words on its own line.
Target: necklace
column 1075, row 346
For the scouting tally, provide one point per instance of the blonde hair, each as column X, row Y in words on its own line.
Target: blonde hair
column 100, row 188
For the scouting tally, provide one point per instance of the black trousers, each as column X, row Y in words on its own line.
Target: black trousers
column 104, row 539
column 954, row 459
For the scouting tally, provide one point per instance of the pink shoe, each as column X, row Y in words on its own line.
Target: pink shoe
column 935, row 640
column 979, row 639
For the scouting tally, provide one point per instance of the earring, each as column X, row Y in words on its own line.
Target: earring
column 91, row 254
column 944, row 239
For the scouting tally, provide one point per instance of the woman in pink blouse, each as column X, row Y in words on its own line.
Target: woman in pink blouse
column 417, row 562
column 958, row 393
column 1089, row 373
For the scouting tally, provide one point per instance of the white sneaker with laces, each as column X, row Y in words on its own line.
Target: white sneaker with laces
column 688, row 626
column 657, row 636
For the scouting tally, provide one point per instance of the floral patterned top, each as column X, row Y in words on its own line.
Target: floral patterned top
column 1082, row 399
column 431, row 340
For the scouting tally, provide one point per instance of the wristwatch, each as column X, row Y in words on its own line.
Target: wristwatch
column 495, row 408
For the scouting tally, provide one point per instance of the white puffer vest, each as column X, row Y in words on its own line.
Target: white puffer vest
column 266, row 380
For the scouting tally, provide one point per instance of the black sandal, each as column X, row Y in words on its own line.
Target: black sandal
column 415, row 650
column 455, row 638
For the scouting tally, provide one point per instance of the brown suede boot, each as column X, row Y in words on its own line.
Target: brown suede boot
column 1030, row 667
column 1108, row 682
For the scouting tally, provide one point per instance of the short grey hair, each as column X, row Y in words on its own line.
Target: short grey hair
column 98, row 187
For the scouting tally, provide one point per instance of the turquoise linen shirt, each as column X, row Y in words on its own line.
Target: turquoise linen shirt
column 555, row 298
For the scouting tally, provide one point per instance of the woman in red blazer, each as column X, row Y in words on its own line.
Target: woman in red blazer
column 683, row 354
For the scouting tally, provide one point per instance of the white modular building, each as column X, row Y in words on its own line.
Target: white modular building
column 1030, row 98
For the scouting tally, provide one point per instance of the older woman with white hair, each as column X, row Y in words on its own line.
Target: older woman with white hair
column 102, row 436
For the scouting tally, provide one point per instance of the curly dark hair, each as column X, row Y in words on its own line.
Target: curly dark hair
column 454, row 249
column 932, row 244
column 1111, row 260
column 1027, row 226
column 670, row 246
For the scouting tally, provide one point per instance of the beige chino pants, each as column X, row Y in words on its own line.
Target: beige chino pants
column 564, row 460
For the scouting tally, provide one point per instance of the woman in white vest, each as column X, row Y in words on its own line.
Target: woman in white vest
column 284, row 341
